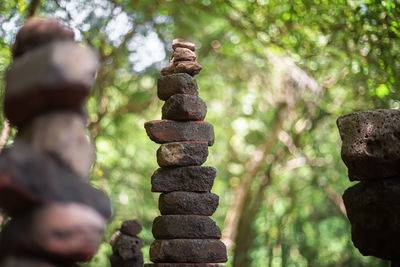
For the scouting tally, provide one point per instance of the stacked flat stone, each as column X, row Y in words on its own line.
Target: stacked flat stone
column 371, row 152
column 185, row 235
column 127, row 246
column 58, row 218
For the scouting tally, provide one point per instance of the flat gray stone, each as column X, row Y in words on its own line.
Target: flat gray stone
column 188, row 203
column 190, row 178
column 371, row 143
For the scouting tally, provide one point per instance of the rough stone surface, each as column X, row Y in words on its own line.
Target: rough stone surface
column 188, row 250
column 185, row 226
column 371, row 144
column 67, row 232
column 62, row 134
column 167, row 131
column 373, row 209
column 131, row 227
column 51, row 81
column 183, row 265
column 179, row 83
column 128, row 247
column 183, row 107
column 119, row 262
column 191, row 178
column 189, row 67
column 188, row 203
column 182, row 43
column 37, row 32
column 183, row 54
column 179, row 154
column 29, row 178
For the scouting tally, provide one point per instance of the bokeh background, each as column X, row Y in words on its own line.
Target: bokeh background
column 276, row 75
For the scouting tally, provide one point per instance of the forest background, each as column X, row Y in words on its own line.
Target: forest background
column 276, row 75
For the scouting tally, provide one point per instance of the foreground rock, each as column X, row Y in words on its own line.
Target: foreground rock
column 185, row 227
column 29, row 178
column 67, row 232
column 188, row 250
column 179, row 83
column 374, row 213
column 179, row 154
column 183, row 265
column 166, row 131
column 51, row 81
column 190, row 178
column 62, row 134
column 371, row 144
column 188, row 203
column 183, row 107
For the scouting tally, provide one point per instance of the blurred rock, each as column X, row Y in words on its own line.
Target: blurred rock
column 190, row 178
column 183, row 107
column 131, row 227
column 179, row 83
column 167, row 131
column 29, row 178
column 183, row 54
column 57, row 76
column 37, row 32
column 128, row 247
column 183, row 265
column 371, row 143
column 62, row 134
column 188, row 251
column 183, row 44
column 185, row 227
column 119, row 262
column 188, row 203
column 190, row 67
column 373, row 209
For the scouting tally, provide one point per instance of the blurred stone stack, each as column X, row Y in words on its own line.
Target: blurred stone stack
column 58, row 218
column 127, row 246
column 371, row 152
column 185, row 235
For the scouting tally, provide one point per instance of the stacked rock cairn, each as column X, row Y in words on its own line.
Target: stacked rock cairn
column 371, row 152
column 185, row 235
column 58, row 218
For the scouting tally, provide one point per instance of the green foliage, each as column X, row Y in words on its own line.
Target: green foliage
column 306, row 61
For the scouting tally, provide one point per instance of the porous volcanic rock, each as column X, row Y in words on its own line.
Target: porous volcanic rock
column 188, row 203
column 131, row 227
column 178, row 83
column 183, row 107
column 190, row 178
column 371, row 143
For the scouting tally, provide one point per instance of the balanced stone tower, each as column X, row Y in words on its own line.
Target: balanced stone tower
column 57, row 217
column 185, row 235
column 371, row 152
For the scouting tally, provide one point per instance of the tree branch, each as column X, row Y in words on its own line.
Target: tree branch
column 33, row 6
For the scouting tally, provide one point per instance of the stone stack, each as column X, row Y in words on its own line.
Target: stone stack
column 127, row 246
column 185, row 235
column 58, row 218
column 371, row 152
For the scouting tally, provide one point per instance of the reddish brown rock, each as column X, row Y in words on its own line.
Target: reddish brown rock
column 190, row 67
column 179, row 154
column 184, row 108
column 37, row 32
column 114, row 238
column 190, row 178
column 167, row 131
column 188, row 203
column 371, row 144
column 56, row 76
column 182, row 43
column 373, row 209
column 168, row 70
column 128, row 247
column 29, row 178
column 68, row 232
column 179, row 83
column 62, row 134
column 183, row 265
column 185, row 226
column 131, row 227
column 188, row 250
column 183, row 54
